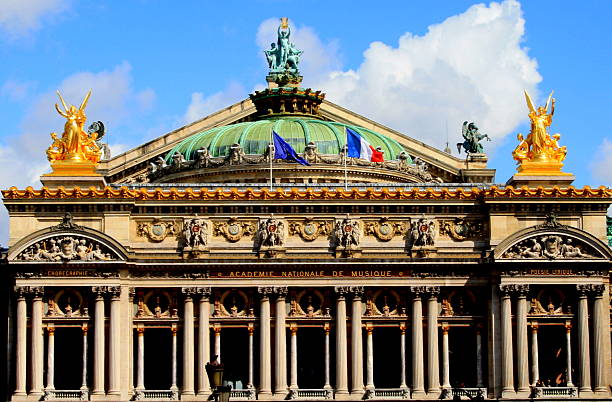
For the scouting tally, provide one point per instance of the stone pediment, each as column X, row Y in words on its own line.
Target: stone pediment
column 134, row 165
column 551, row 242
column 63, row 243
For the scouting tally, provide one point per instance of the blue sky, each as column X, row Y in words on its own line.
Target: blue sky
column 156, row 65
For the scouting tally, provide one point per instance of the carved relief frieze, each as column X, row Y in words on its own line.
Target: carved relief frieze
column 308, row 304
column 157, row 230
column 310, row 229
column 346, row 236
column 67, row 248
column 384, row 303
column 270, row 233
column 384, row 229
column 461, row 229
column 551, row 247
column 233, row 229
column 195, row 234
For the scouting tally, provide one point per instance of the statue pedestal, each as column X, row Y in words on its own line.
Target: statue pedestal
column 73, row 173
column 540, row 173
column 520, row 180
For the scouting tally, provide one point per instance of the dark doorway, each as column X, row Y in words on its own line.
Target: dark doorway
column 552, row 354
column 310, row 358
column 157, row 358
column 462, row 356
column 387, row 356
column 68, row 358
column 235, row 356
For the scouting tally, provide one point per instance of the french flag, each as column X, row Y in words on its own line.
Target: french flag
column 358, row 147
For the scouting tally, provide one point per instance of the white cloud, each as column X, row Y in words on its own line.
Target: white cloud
column 113, row 101
column 601, row 166
column 19, row 17
column 202, row 106
column 15, row 90
column 469, row 67
column 319, row 58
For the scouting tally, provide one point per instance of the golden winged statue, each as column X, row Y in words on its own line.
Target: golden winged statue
column 540, row 152
column 75, row 146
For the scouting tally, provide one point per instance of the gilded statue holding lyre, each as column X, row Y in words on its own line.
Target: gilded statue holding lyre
column 540, row 152
column 75, row 146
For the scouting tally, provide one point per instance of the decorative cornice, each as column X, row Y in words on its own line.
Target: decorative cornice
column 309, row 194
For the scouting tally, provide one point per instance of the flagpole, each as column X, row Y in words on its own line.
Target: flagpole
column 345, row 159
column 271, row 156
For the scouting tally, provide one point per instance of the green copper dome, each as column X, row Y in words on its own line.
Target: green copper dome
column 254, row 137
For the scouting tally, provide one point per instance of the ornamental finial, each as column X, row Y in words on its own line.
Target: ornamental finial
column 76, row 152
column 540, row 153
column 283, row 58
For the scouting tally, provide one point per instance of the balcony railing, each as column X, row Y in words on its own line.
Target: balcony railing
column 311, row 394
column 468, row 393
column 388, row 393
column 243, row 394
column 66, row 394
column 160, row 395
column 555, row 392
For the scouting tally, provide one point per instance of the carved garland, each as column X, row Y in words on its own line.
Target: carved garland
column 157, row 230
column 462, row 229
column 384, row 229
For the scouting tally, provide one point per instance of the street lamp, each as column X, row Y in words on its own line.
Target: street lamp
column 214, row 370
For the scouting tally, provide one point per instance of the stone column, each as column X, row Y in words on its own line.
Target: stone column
column 217, row 331
column 341, row 339
column 507, row 363
column 479, row 375
column 114, row 351
column 356, row 342
column 403, row 356
column 204, row 340
column 173, row 386
column 50, row 357
column 99, row 341
column 418, row 382
column 140, row 356
column 265, row 353
column 84, row 387
column 188, row 342
column 293, row 384
column 433, row 369
column 522, row 348
column 599, row 337
column 326, row 329
column 445, row 357
column 369, row 358
column 251, row 329
column 22, row 339
column 535, row 364
column 280, row 349
column 584, row 346
column 37, row 348
column 568, row 347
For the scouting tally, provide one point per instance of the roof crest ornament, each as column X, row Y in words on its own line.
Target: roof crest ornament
column 283, row 59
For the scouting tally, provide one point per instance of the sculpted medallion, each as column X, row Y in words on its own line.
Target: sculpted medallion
column 233, row 230
column 309, row 229
column 461, row 229
column 157, row 230
column 384, row 229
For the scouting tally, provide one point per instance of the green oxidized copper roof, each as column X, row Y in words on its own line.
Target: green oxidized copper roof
column 254, row 137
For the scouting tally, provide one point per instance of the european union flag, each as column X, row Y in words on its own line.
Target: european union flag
column 282, row 150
